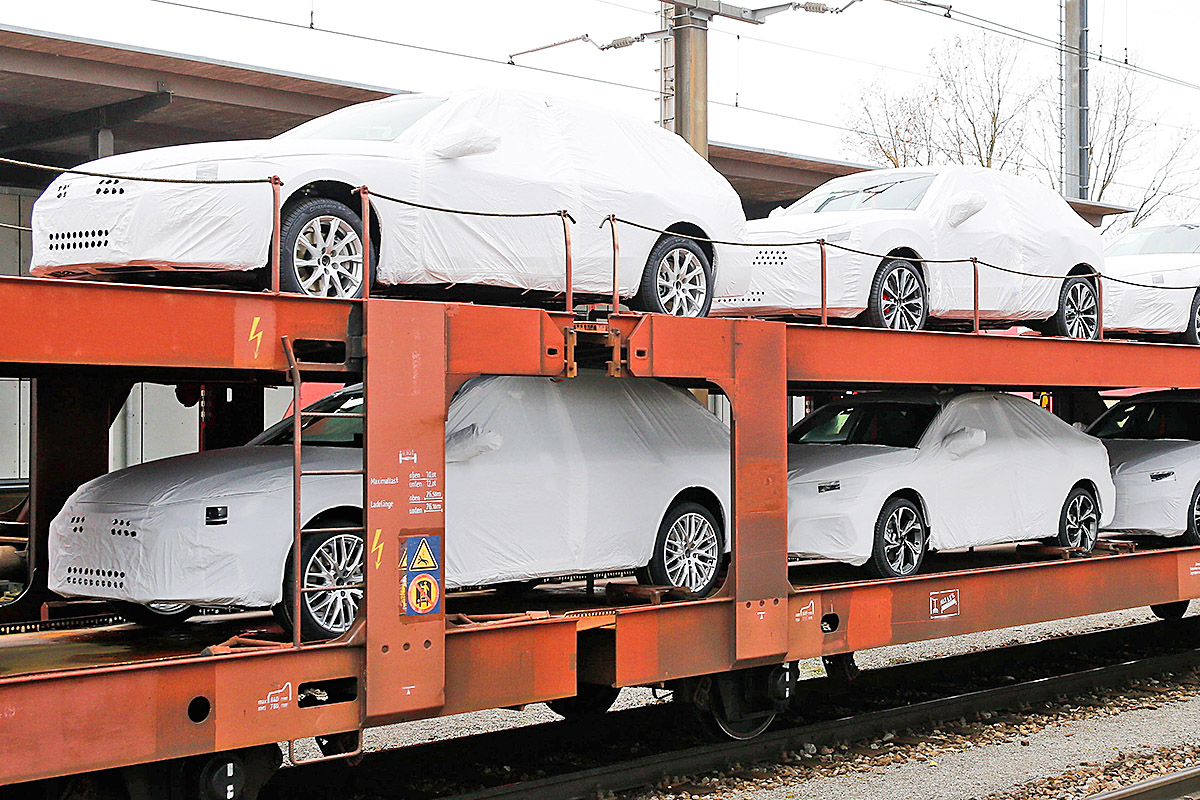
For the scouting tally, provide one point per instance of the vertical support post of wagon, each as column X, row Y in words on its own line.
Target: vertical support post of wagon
column 975, row 286
column 824, row 286
column 297, row 477
column 758, row 569
column 276, row 234
column 365, row 195
column 616, row 297
column 1099, row 307
column 404, row 457
column 570, row 277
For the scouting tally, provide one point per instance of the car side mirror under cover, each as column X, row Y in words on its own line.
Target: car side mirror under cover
column 964, row 440
column 470, row 139
column 469, row 442
column 964, row 206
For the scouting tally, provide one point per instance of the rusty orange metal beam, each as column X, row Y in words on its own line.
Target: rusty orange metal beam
column 49, row 323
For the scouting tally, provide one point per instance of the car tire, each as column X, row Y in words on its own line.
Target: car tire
column 901, row 540
column 337, row 272
column 677, row 279
column 1192, row 334
column 340, row 556
column 1079, row 520
column 688, row 550
column 1078, row 310
column 153, row 615
column 899, row 299
column 1191, row 535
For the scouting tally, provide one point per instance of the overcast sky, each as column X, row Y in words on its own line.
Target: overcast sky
column 798, row 65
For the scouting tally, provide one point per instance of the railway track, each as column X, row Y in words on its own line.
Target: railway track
column 640, row 747
column 1183, row 785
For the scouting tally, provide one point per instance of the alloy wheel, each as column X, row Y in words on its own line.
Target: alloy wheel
column 338, row 562
column 166, row 608
column 903, row 539
column 328, row 258
column 692, row 552
column 1083, row 523
column 681, row 283
column 902, row 301
column 1080, row 311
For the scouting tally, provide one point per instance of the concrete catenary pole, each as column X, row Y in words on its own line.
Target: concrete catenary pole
column 690, row 32
column 1075, row 141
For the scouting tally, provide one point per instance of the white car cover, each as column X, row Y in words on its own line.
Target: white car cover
column 1010, row 488
column 1157, row 258
column 1156, row 478
column 486, row 150
column 997, row 217
column 544, row 477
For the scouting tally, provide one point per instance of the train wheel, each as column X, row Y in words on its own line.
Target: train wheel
column 1174, row 610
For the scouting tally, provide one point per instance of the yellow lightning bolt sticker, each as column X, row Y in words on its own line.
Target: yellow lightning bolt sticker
column 255, row 335
column 377, row 547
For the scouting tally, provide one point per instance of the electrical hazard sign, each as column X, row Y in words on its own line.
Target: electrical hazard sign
column 422, row 579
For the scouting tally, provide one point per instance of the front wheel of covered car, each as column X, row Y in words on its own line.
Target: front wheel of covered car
column 898, row 298
column 1192, row 334
column 153, row 615
column 688, row 550
column 1079, row 520
column 677, row 279
column 331, row 562
column 1078, row 315
column 1191, row 535
column 901, row 539
column 321, row 252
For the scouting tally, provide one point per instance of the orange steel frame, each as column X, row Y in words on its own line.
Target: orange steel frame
column 76, row 719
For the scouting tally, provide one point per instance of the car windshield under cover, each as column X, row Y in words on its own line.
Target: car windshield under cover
column 333, row 431
column 891, row 424
column 1157, row 239
column 371, row 122
column 1172, row 419
column 866, row 191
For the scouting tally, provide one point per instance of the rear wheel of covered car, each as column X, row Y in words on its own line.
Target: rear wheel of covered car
column 898, row 298
column 688, row 550
column 330, row 561
column 1191, row 536
column 1192, row 334
column 153, row 615
column 1079, row 520
column 677, row 279
column 901, row 539
column 321, row 252
column 1078, row 315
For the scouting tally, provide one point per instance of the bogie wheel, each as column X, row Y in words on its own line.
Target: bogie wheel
column 153, row 615
column 1192, row 334
column 721, row 717
column 328, row 558
column 677, row 280
column 321, row 252
column 1079, row 520
column 1078, row 315
column 1191, row 535
column 688, row 550
column 899, row 299
column 1174, row 610
column 591, row 700
column 901, row 540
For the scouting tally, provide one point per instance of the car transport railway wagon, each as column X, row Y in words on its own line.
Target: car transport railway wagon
column 205, row 707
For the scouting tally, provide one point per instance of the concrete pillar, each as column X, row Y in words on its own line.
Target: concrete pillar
column 691, row 78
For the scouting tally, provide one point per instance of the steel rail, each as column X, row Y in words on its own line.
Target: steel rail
column 651, row 769
column 1175, row 786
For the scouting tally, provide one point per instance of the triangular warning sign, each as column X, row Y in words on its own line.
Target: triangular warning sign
column 423, row 559
column 403, row 559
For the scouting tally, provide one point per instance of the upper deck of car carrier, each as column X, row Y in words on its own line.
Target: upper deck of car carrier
column 133, row 696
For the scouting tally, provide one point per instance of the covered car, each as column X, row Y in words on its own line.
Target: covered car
column 1153, row 442
column 499, row 151
column 887, row 229
column 543, row 478
column 879, row 479
column 1163, row 264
